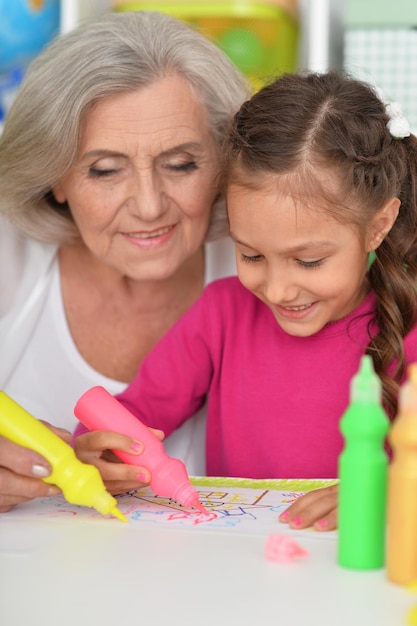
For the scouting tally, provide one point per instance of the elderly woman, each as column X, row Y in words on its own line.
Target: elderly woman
column 110, row 205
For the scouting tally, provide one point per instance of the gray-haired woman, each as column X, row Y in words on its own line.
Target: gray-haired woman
column 111, row 220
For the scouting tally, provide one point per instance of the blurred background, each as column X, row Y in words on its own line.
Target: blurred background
column 376, row 40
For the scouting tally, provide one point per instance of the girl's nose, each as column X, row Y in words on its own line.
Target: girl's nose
column 279, row 288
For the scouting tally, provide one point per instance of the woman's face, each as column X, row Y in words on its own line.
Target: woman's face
column 144, row 181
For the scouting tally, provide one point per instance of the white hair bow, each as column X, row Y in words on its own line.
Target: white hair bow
column 397, row 124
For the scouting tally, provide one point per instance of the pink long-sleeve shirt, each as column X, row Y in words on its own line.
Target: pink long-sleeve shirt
column 274, row 400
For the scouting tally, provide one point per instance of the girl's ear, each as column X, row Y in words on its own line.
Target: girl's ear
column 58, row 193
column 382, row 223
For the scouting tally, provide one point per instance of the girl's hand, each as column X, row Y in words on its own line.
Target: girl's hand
column 316, row 508
column 21, row 472
column 95, row 448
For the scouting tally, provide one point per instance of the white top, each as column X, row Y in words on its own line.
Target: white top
column 40, row 366
column 40, row 380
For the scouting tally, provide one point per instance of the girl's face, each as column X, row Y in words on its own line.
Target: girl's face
column 144, row 181
column 308, row 268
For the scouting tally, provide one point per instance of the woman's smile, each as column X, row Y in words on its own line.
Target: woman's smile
column 153, row 238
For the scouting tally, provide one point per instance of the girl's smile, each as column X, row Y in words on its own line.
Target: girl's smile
column 295, row 312
column 308, row 268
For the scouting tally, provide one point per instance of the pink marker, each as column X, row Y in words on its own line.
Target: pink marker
column 97, row 409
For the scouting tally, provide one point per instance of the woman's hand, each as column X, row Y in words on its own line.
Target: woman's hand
column 21, row 472
column 95, row 448
column 316, row 508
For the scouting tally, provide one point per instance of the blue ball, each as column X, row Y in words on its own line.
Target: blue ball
column 26, row 26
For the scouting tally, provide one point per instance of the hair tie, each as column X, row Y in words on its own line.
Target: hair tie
column 397, row 124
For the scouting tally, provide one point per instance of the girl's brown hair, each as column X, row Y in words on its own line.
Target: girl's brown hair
column 301, row 125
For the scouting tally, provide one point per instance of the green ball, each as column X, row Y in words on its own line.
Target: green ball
column 244, row 48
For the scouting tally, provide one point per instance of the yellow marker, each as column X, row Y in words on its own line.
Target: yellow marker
column 412, row 586
column 411, row 616
column 402, row 487
column 80, row 483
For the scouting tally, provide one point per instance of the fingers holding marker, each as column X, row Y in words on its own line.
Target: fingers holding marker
column 16, row 488
column 22, row 461
column 96, row 448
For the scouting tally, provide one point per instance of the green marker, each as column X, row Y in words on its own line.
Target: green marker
column 363, row 472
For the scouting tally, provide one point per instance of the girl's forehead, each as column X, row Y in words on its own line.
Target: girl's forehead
column 276, row 205
column 304, row 181
column 277, row 191
column 307, row 187
column 275, row 202
column 278, row 223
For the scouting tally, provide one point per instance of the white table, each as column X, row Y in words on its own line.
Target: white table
column 75, row 571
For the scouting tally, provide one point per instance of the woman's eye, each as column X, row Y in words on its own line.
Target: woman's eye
column 182, row 167
column 101, row 173
column 310, row 264
column 251, row 259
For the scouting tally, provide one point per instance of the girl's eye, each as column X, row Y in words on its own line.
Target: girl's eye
column 251, row 259
column 310, row 264
column 99, row 173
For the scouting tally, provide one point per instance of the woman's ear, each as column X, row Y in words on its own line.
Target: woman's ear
column 382, row 223
column 58, row 193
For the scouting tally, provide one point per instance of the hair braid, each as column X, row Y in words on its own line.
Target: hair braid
column 393, row 278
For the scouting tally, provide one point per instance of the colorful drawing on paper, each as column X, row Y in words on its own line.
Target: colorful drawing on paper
column 227, row 508
column 232, row 506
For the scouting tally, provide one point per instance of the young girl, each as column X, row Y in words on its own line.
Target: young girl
column 316, row 182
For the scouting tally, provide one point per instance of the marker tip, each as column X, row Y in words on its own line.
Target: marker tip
column 116, row 513
column 197, row 505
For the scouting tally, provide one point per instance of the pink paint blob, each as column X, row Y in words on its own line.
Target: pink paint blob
column 283, row 549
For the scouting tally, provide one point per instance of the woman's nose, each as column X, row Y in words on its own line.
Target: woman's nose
column 146, row 198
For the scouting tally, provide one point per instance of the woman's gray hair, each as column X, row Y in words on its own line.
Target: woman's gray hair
column 117, row 53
